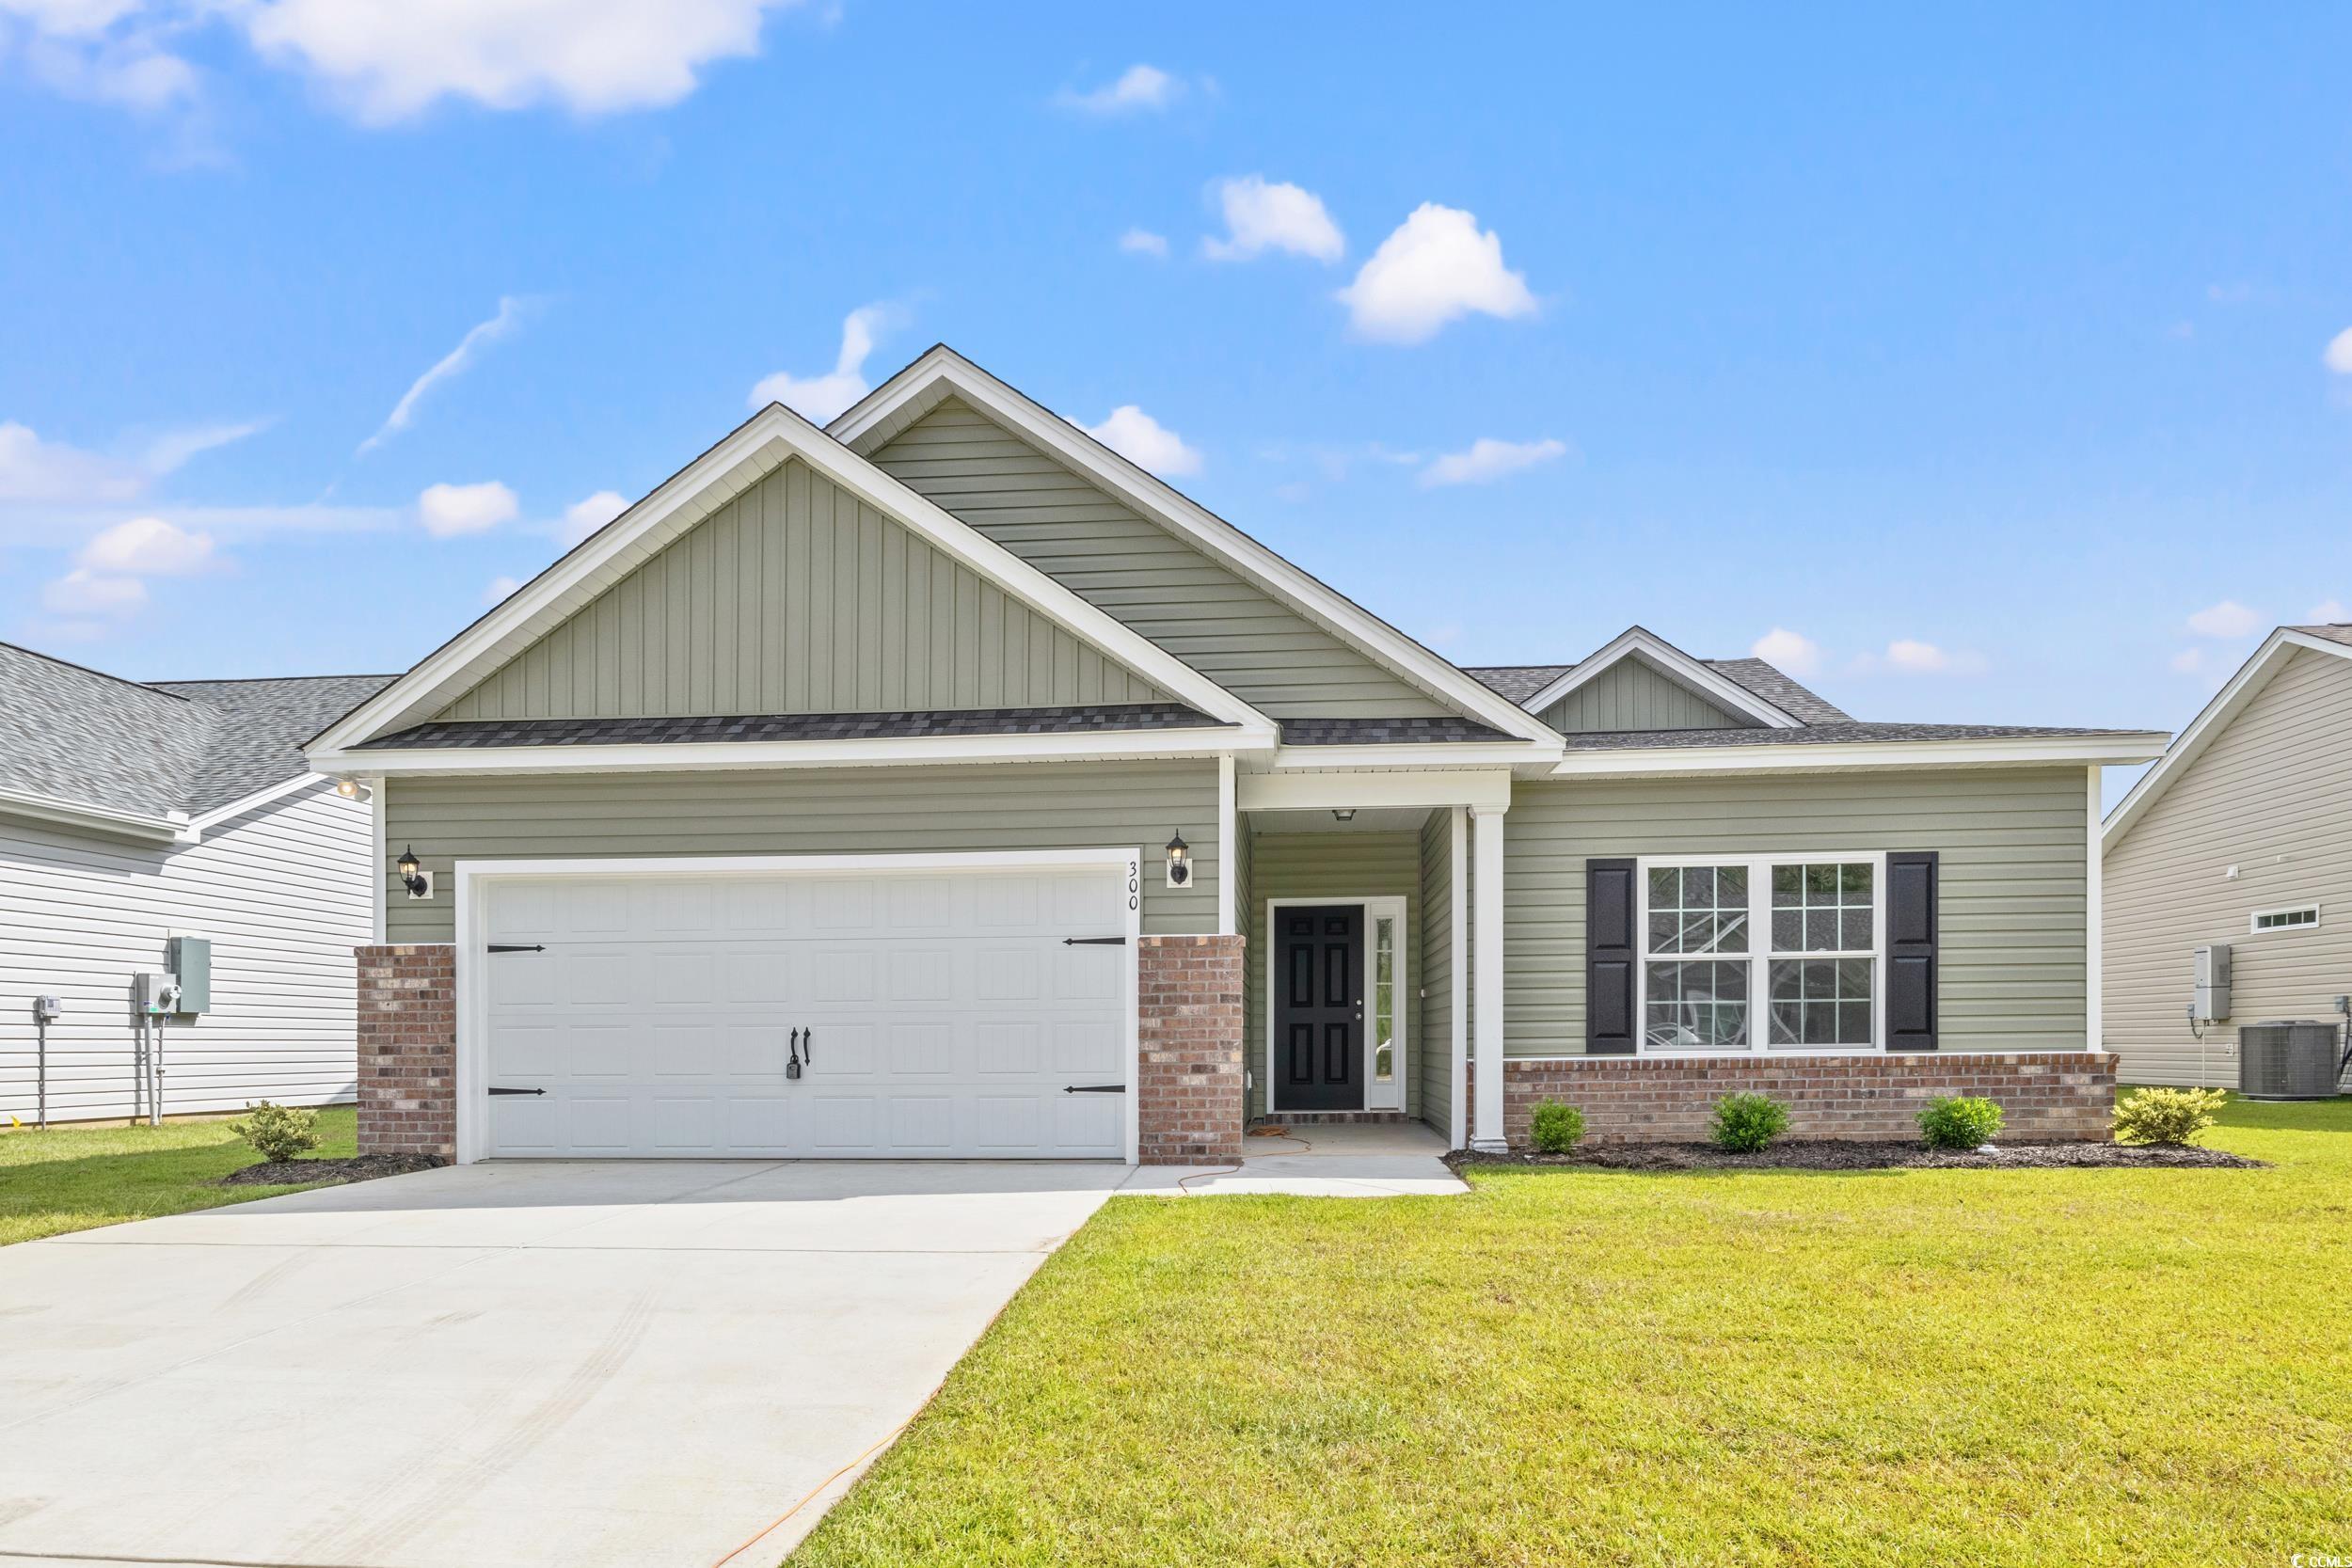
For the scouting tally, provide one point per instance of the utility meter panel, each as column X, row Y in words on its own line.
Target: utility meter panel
column 2211, row 982
column 153, row 991
column 190, row 958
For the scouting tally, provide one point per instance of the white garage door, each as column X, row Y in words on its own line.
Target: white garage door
column 939, row 1014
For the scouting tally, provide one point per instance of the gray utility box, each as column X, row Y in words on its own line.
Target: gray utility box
column 191, row 959
column 2288, row 1059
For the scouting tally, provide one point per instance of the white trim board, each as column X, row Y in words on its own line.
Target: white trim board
column 472, row 997
column 163, row 828
column 1075, row 746
column 2061, row 750
column 753, row 449
column 940, row 370
column 1639, row 642
column 1373, row 908
column 2242, row 689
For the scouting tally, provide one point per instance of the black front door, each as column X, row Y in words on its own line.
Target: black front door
column 1319, row 1009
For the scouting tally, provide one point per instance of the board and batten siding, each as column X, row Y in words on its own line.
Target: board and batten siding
column 1633, row 694
column 797, row 598
column 1434, row 1045
column 1120, row 562
column 2012, row 950
column 815, row 811
column 282, row 892
column 2272, row 795
column 1339, row 866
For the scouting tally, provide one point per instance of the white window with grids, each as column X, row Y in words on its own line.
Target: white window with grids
column 1762, row 953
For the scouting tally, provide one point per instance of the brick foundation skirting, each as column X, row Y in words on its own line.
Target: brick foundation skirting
column 2045, row 1096
column 407, row 1048
column 1189, row 1098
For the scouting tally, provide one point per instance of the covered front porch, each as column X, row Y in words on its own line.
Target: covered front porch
column 1363, row 896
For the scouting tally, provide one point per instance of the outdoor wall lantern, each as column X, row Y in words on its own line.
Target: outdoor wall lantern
column 1179, row 862
column 412, row 873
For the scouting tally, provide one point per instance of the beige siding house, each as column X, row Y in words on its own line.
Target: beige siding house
column 2241, row 836
column 940, row 783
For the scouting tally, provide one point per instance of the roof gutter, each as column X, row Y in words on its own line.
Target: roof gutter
column 171, row 827
column 2121, row 749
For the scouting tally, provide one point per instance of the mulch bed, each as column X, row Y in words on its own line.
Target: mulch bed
column 1824, row 1154
column 359, row 1167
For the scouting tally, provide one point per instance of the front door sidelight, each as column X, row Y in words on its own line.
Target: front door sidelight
column 1319, row 1008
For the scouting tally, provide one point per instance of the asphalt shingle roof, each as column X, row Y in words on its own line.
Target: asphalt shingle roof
column 2334, row 631
column 1383, row 732
column 477, row 732
column 1518, row 682
column 80, row 735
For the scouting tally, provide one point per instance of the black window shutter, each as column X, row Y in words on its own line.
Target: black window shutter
column 1911, row 921
column 1610, row 955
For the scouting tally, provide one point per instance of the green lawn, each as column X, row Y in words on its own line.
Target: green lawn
column 2086, row 1365
column 74, row 1177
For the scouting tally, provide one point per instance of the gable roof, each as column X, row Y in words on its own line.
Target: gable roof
column 1520, row 682
column 1639, row 642
column 158, row 759
column 940, row 373
column 763, row 443
column 2334, row 639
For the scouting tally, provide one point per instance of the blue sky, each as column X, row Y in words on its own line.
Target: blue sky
column 1984, row 359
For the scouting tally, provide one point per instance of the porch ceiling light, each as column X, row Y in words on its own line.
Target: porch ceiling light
column 1344, row 814
column 1179, row 862
column 412, row 872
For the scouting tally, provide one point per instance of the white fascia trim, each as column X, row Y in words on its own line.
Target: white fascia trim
column 1639, row 643
column 1077, row 746
column 2206, row 727
column 167, row 828
column 764, row 443
column 2071, row 751
column 1499, row 753
column 259, row 797
column 1173, row 509
column 1489, row 789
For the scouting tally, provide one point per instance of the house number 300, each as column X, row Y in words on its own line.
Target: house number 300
column 1135, row 883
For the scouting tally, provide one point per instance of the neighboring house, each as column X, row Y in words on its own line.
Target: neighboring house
column 828, row 802
column 2241, row 834
column 130, row 815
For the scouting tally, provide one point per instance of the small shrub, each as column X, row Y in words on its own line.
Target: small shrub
column 1959, row 1121
column 277, row 1131
column 1554, row 1127
column 1746, row 1122
column 2167, row 1115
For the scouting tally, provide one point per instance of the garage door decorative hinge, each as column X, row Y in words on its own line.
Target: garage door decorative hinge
column 517, row 947
column 1094, row 941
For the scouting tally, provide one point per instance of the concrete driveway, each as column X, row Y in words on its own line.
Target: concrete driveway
column 501, row 1365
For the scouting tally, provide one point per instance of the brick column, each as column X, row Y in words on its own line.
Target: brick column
column 408, row 1050
column 1189, row 1098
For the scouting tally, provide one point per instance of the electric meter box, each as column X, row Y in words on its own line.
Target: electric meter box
column 191, row 959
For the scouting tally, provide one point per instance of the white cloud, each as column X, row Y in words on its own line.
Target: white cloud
column 1142, row 241
column 2188, row 661
column 589, row 513
column 82, row 592
column 1139, row 88
column 1488, row 459
column 819, row 398
column 385, row 60
column 454, row 363
column 449, row 511
column 500, row 590
column 2338, row 356
column 148, row 546
column 2327, row 612
column 2227, row 619
column 1259, row 218
column 1142, row 440
column 1437, row 267
column 32, row 469
column 1788, row 650
column 1918, row 657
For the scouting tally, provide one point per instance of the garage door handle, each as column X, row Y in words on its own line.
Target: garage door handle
column 517, row 1091
column 517, row 947
column 1094, row 1088
column 1094, row 941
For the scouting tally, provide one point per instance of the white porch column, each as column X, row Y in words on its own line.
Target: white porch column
column 1486, row 974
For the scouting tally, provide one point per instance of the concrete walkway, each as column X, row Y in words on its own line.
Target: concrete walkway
column 499, row 1366
column 1340, row 1161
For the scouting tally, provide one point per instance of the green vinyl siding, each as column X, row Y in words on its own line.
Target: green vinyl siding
column 797, row 598
column 1434, row 1048
column 2014, row 893
column 1634, row 694
column 794, row 812
column 1329, row 866
column 1115, row 558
